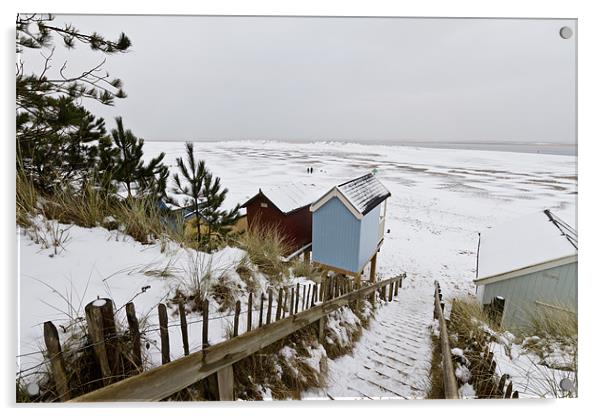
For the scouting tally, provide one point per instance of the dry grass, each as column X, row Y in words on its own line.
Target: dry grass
column 247, row 274
column 140, row 219
column 26, row 199
column 436, row 387
column 195, row 283
column 91, row 207
column 466, row 332
column 87, row 207
column 299, row 268
column 549, row 332
column 555, row 323
column 266, row 247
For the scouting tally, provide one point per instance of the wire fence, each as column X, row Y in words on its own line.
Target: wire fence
column 149, row 329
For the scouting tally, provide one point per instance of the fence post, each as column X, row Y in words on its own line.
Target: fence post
column 449, row 379
column 236, row 317
column 130, row 312
column 225, row 383
column 184, row 327
column 279, row 306
column 110, row 335
column 373, row 269
column 250, row 312
column 501, row 385
column 292, row 303
column 306, row 256
column 261, row 310
column 297, row 300
column 205, row 323
column 321, row 324
column 94, row 319
column 269, row 311
column 163, row 329
column 51, row 338
column 284, row 303
column 508, row 391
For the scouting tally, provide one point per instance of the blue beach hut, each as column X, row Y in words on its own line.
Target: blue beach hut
column 348, row 226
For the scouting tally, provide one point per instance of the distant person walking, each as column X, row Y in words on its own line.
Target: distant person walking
column 311, row 170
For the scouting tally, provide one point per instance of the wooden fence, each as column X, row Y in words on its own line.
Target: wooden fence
column 484, row 377
column 121, row 372
column 450, row 383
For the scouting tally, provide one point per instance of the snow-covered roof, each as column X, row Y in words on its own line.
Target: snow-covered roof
column 360, row 195
column 364, row 193
column 290, row 197
column 531, row 240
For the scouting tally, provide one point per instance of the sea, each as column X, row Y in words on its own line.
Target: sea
column 566, row 149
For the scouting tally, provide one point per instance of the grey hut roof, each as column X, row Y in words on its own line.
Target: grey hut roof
column 361, row 194
column 365, row 192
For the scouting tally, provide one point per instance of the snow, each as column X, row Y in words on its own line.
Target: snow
column 462, row 373
column 457, row 352
column 364, row 193
column 530, row 375
column 440, row 200
column 97, row 263
column 293, row 195
column 526, row 241
column 466, row 391
column 338, row 324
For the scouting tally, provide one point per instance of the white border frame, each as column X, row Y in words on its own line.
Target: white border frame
column 590, row 33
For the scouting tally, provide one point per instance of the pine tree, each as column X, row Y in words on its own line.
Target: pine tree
column 219, row 221
column 191, row 186
column 129, row 168
column 56, row 136
column 56, row 142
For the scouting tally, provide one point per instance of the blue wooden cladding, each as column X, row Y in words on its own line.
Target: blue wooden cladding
column 348, row 223
column 336, row 236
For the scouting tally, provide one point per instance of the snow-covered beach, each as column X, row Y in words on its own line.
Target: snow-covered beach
column 441, row 199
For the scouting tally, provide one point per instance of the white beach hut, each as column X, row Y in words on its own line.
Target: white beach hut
column 531, row 263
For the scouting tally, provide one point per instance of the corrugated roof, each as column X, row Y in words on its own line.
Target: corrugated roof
column 524, row 242
column 364, row 193
column 290, row 197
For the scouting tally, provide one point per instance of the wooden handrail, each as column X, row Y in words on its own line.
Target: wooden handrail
column 449, row 377
column 161, row 382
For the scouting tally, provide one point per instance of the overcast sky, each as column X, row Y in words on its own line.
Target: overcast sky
column 386, row 79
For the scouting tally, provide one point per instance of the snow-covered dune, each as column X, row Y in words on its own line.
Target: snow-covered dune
column 440, row 200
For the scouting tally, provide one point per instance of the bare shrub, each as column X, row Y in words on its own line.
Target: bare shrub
column 282, row 370
column 48, row 234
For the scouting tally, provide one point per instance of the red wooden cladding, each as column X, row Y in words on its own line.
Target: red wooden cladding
column 295, row 226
